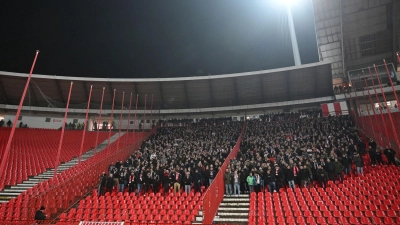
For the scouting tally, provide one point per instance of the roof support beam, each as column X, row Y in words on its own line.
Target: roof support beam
column 161, row 94
column 186, row 94
column 59, row 91
column 316, row 82
column 136, row 92
column 262, row 89
column 3, row 92
column 235, row 92
column 31, row 93
column 211, row 93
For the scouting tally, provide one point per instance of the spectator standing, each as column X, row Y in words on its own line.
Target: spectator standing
column 322, row 176
column 102, row 184
column 390, row 153
column 9, row 123
column 187, row 181
column 197, row 180
column 177, row 179
column 338, row 170
column 228, row 182
column 270, row 180
column 110, row 183
column 289, row 177
column 131, row 181
column 250, row 182
column 236, row 183
column 359, row 162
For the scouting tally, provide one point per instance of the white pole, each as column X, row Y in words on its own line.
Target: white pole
column 295, row 46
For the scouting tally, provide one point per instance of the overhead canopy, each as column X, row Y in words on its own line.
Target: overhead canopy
column 285, row 84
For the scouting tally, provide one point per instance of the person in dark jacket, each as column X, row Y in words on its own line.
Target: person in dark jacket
column 289, row 177
column 228, row 182
column 330, row 168
column 270, row 180
column 390, row 155
column 187, row 181
column 40, row 216
column 102, row 184
column 322, row 176
column 338, row 170
column 110, row 183
column 359, row 162
column 303, row 176
column 166, row 179
column 346, row 162
column 197, row 180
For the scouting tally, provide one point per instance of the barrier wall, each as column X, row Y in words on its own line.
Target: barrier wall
column 215, row 193
column 67, row 187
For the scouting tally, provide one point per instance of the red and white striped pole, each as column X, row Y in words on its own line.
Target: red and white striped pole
column 85, row 124
column 98, row 122
column 111, row 122
column 377, row 101
column 120, row 120
column 62, row 132
column 378, row 129
column 10, row 138
column 129, row 120
column 387, row 107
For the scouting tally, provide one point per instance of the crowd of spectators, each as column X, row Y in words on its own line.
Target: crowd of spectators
column 173, row 158
column 285, row 150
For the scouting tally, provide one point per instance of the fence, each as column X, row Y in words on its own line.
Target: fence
column 379, row 128
column 215, row 193
column 72, row 184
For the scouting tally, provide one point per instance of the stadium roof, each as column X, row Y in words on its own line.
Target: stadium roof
column 277, row 85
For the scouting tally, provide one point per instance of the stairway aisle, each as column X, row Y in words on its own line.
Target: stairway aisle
column 233, row 209
column 13, row 191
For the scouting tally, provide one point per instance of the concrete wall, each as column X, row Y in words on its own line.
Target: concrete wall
column 368, row 29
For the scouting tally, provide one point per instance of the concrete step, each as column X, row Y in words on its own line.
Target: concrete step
column 235, row 214
column 25, row 185
column 235, row 204
column 232, row 209
column 231, row 199
column 229, row 220
column 3, row 193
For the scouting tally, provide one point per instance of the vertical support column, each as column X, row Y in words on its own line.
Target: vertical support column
column 98, row 122
column 85, row 124
column 369, row 115
column 134, row 121
column 144, row 114
column 151, row 113
column 62, row 132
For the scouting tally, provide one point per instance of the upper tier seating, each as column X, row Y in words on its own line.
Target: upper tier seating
column 35, row 150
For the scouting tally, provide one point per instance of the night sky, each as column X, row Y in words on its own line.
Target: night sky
column 152, row 38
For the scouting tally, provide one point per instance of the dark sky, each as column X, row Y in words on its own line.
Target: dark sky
column 152, row 38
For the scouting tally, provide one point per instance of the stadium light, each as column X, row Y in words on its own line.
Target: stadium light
column 293, row 38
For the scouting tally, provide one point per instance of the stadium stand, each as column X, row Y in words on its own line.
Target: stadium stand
column 183, row 149
column 56, row 193
column 34, row 150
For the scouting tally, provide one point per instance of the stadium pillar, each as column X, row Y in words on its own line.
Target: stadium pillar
column 378, row 129
column 293, row 38
column 377, row 101
column 85, row 124
column 98, row 122
column 14, row 125
column 62, row 131
column 120, row 120
column 129, row 119
column 144, row 114
column 396, row 138
column 111, row 122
